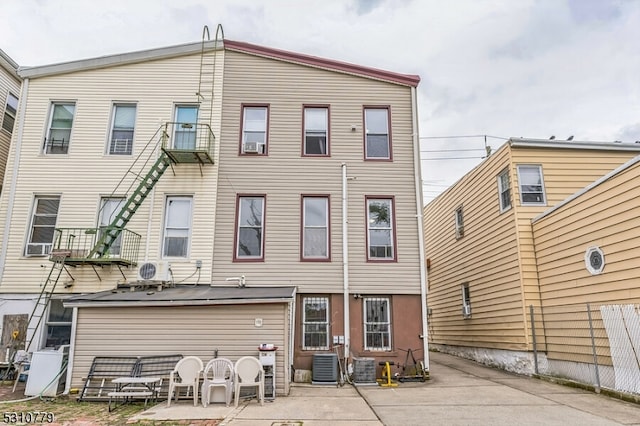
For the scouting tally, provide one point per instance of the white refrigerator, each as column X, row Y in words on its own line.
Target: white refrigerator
column 45, row 375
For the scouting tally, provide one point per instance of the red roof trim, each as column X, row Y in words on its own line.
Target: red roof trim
column 405, row 79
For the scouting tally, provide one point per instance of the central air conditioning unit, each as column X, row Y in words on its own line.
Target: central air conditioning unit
column 466, row 311
column 325, row 369
column 251, row 147
column 153, row 271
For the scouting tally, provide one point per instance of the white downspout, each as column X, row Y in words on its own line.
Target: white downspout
column 72, row 351
column 418, row 183
column 345, row 264
column 17, row 139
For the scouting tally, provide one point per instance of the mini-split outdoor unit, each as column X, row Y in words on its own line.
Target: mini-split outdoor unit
column 153, row 271
column 251, row 147
column 325, row 369
column 466, row 311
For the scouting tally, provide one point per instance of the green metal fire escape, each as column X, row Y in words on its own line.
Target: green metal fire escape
column 115, row 228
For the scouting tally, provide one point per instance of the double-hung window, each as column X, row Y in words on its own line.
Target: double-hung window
column 315, row 228
column 250, row 228
column 60, row 124
column 316, row 131
column 123, row 124
column 184, row 135
column 254, row 129
column 459, row 217
column 377, row 133
column 177, row 227
column 58, row 324
column 380, row 229
column 43, row 224
column 109, row 209
column 377, row 324
column 315, row 323
column 504, row 190
column 10, row 113
column 531, row 185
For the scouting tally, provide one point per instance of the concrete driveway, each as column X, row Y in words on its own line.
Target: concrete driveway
column 460, row 392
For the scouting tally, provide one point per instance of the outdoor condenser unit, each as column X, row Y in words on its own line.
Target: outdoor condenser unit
column 364, row 371
column 325, row 369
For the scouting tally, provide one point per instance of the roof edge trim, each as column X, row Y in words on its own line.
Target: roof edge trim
column 117, row 59
column 315, row 61
column 549, row 143
column 164, row 303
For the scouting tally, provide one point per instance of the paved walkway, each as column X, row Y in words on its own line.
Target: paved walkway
column 460, row 392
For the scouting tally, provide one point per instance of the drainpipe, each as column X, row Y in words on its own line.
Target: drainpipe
column 17, row 140
column 345, row 264
column 72, row 351
column 418, row 183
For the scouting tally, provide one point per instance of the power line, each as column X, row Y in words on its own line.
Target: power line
column 452, row 150
column 464, row 136
column 453, row 158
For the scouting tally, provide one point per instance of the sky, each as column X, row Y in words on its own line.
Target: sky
column 490, row 69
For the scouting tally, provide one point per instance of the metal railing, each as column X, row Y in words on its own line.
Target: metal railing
column 594, row 344
column 80, row 241
column 188, row 137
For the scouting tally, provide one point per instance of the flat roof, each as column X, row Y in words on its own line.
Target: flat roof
column 149, row 294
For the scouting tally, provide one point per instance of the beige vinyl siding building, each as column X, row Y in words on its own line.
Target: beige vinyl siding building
column 151, row 85
column 496, row 257
column 285, row 85
column 290, row 132
column 9, row 97
column 603, row 217
column 202, row 328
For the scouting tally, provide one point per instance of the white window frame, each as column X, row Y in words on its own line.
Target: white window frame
column 45, row 248
column 319, row 326
column 314, row 135
column 543, row 202
column 373, row 327
column 371, row 133
column 372, row 227
column 106, row 216
column 466, row 299
column 261, row 128
column 183, row 231
column 307, row 229
column 504, row 190
column 50, row 143
column 185, row 131
column 51, row 324
column 10, row 112
column 240, row 226
column 459, row 218
column 121, row 146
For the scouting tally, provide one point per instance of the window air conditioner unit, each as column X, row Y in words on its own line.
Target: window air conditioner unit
column 466, row 311
column 251, row 148
column 153, row 271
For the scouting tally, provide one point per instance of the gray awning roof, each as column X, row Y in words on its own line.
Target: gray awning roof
column 182, row 295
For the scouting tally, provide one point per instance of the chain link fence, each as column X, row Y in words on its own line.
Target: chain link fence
column 592, row 344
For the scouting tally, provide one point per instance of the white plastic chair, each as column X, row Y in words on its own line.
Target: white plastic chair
column 217, row 373
column 249, row 372
column 186, row 374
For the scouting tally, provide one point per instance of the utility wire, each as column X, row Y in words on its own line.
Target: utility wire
column 464, row 136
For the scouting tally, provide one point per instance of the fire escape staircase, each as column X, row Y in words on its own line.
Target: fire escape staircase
column 96, row 246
